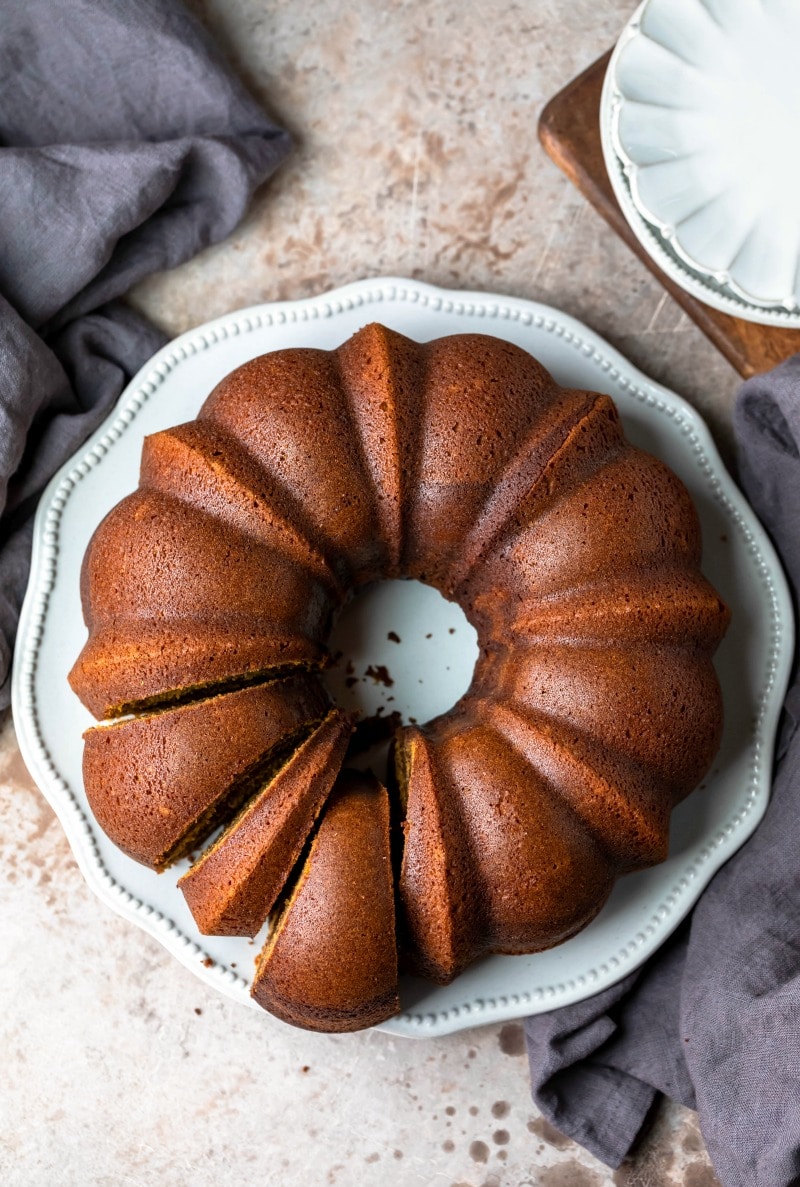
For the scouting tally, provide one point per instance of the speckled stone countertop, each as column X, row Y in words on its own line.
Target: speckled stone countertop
column 416, row 155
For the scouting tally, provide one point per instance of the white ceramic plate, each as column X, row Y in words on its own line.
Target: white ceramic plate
column 699, row 119
column 753, row 662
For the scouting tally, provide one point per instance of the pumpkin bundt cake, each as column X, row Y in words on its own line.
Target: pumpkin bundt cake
column 209, row 594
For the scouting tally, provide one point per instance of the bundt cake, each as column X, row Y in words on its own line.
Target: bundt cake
column 209, row 595
column 330, row 962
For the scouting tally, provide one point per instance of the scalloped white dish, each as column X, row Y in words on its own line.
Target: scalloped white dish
column 699, row 118
column 753, row 661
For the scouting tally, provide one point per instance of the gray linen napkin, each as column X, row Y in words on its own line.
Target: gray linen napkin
column 713, row 1019
column 126, row 146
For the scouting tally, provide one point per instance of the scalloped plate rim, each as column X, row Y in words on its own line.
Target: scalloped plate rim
column 659, row 238
column 460, row 1014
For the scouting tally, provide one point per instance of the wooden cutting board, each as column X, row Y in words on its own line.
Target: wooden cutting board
column 569, row 129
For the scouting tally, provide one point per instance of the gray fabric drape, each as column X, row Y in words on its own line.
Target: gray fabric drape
column 126, row 146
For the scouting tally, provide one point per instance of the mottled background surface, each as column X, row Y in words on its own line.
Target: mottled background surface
column 417, row 155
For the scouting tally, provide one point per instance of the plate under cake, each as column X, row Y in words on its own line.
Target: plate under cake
column 431, row 315
column 509, row 480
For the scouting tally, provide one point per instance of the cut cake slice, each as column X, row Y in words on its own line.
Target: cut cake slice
column 330, row 963
column 161, row 783
column 233, row 885
column 438, row 885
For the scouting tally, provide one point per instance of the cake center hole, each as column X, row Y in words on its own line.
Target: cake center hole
column 400, row 647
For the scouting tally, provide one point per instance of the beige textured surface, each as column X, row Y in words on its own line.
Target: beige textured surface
column 417, row 156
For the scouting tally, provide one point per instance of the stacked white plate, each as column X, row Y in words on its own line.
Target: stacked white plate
column 700, row 121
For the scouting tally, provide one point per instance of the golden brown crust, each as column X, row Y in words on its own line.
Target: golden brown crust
column 604, row 517
column 668, row 604
column 173, row 597
column 330, row 963
column 146, row 555
column 210, row 470
column 648, row 715
column 290, row 410
column 383, row 376
column 539, row 873
column 558, row 428
column 484, row 398
column 439, row 887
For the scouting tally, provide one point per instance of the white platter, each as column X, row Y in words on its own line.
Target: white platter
column 753, row 662
column 699, row 118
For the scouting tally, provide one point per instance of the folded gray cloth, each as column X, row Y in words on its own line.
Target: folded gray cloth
column 713, row 1019
column 126, row 146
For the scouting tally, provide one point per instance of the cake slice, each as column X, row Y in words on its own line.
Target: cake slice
column 209, row 470
column 232, row 887
column 148, row 666
column 382, row 373
column 175, row 598
column 439, row 886
column 330, row 962
column 541, row 874
column 161, row 783
column 289, row 411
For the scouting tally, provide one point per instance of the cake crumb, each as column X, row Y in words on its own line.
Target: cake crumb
column 380, row 674
column 372, row 730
